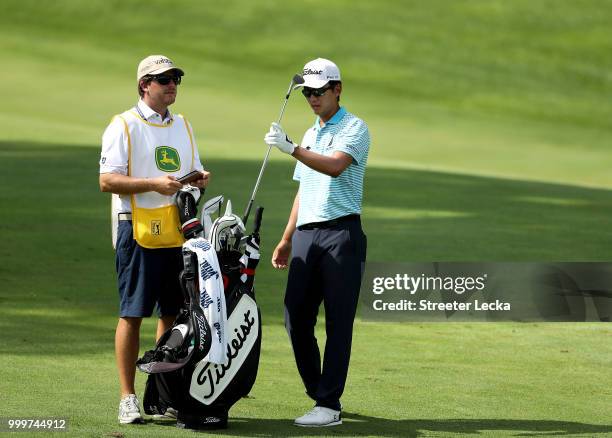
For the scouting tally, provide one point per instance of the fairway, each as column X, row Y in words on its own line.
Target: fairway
column 491, row 133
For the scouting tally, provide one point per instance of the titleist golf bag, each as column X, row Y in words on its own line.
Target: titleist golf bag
column 208, row 360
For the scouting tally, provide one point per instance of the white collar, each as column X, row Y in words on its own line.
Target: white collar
column 147, row 113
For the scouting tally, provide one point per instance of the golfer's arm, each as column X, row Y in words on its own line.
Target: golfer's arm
column 290, row 228
column 332, row 166
column 123, row 184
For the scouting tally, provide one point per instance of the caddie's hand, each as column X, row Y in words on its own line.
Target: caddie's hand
column 202, row 182
column 277, row 137
column 166, row 185
column 280, row 257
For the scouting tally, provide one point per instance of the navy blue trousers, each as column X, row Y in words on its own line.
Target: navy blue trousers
column 327, row 266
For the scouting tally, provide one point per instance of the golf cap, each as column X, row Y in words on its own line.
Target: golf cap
column 156, row 64
column 319, row 72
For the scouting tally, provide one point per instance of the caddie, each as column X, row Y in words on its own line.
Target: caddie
column 144, row 151
column 325, row 239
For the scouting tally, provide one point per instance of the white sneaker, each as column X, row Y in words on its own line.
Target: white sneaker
column 129, row 410
column 319, row 417
column 170, row 414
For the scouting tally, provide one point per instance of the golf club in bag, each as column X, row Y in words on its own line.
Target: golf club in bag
column 219, row 312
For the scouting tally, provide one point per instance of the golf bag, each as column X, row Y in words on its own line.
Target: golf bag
column 185, row 371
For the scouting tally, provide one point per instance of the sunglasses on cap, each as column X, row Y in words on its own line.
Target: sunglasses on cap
column 318, row 92
column 163, row 79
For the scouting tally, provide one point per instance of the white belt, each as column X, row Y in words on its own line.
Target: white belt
column 125, row 216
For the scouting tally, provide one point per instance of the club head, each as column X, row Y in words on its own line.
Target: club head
column 296, row 81
column 213, row 204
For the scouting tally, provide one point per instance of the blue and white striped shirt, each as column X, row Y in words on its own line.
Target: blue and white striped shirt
column 323, row 197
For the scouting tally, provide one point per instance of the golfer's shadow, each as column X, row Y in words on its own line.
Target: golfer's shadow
column 356, row 425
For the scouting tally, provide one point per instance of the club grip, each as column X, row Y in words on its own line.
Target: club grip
column 257, row 221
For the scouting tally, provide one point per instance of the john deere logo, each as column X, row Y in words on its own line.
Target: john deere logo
column 167, row 159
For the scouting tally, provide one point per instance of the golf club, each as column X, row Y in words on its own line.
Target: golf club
column 296, row 80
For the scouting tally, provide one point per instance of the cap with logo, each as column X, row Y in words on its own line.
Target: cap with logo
column 319, row 72
column 156, row 64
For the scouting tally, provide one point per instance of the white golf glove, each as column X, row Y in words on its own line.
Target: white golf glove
column 277, row 137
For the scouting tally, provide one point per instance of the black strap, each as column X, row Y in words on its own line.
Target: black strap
column 328, row 224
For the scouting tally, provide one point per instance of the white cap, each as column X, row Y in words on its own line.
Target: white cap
column 156, row 64
column 319, row 72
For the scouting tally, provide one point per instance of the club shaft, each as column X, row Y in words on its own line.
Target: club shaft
column 265, row 162
column 261, row 171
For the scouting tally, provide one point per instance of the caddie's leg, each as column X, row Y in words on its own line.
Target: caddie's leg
column 127, row 342
column 341, row 272
column 168, row 263
column 135, row 302
column 302, row 300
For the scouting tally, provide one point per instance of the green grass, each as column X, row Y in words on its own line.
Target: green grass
column 490, row 124
column 59, row 301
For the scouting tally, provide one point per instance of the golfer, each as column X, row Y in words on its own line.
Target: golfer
column 324, row 238
column 144, row 151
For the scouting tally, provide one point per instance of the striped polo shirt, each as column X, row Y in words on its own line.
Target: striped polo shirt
column 323, row 197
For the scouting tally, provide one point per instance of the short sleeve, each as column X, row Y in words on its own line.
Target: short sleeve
column 197, row 163
column 355, row 140
column 297, row 173
column 307, row 141
column 114, row 155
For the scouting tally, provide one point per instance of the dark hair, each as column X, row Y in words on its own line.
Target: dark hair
column 333, row 84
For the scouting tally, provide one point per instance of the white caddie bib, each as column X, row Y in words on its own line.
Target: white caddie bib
column 156, row 150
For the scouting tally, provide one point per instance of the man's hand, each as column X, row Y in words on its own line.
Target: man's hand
column 165, row 185
column 281, row 254
column 202, row 182
column 277, row 137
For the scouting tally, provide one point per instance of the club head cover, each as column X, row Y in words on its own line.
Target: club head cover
column 188, row 213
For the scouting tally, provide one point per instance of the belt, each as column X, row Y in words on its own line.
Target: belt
column 329, row 224
column 125, row 216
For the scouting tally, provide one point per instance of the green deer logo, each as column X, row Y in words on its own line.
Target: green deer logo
column 167, row 159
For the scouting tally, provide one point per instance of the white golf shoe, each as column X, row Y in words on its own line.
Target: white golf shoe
column 129, row 410
column 319, row 417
